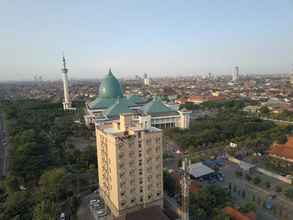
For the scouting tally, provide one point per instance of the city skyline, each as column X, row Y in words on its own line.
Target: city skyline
column 134, row 38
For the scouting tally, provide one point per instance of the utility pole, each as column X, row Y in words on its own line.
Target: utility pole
column 185, row 186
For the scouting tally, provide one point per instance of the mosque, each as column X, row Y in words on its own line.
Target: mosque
column 111, row 102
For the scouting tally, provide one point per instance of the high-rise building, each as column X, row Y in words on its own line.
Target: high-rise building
column 291, row 77
column 130, row 164
column 146, row 80
column 67, row 101
column 235, row 76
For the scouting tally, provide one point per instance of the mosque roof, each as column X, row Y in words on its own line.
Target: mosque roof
column 110, row 87
column 136, row 99
column 157, row 108
column 121, row 106
column 109, row 91
column 101, row 103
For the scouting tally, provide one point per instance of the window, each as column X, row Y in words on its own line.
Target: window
column 139, row 134
column 158, row 194
column 132, row 200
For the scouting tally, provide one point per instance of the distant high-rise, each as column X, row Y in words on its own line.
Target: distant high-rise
column 146, row 80
column 291, row 77
column 235, row 76
column 67, row 101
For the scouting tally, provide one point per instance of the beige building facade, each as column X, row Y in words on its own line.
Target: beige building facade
column 130, row 163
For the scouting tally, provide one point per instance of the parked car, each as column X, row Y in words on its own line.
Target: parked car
column 101, row 212
column 93, row 201
column 62, row 216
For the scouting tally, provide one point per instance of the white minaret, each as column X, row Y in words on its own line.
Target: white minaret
column 67, row 101
column 235, row 76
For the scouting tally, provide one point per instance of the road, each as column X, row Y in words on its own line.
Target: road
column 279, row 203
column 3, row 148
column 83, row 211
column 277, row 121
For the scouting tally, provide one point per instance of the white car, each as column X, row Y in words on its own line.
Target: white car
column 101, row 212
column 93, row 201
column 98, row 206
column 62, row 216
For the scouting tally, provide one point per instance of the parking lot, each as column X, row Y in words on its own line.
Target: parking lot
column 92, row 207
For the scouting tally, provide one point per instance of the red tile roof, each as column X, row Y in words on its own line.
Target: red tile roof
column 181, row 101
column 196, row 98
column 236, row 215
column 283, row 150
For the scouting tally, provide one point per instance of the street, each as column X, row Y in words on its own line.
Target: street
column 282, row 206
column 84, row 211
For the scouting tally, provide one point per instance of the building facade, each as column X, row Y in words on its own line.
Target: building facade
column 111, row 102
column 130, row 163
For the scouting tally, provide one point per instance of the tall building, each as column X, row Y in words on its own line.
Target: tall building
column 67, row 101
column 111, row 102
column 146, row 80
column 130, row 163
column 291, row 77
column 235, row 77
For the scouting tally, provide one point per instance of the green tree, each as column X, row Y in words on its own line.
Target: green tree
column 204, row 204
column 257, row 180
column 289, row 193
column 169, row 183
column 248, row 207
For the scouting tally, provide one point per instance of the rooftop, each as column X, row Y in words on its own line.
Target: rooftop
column 199, row 169
column 283, row 150
column 236, row 215
column 157, row 108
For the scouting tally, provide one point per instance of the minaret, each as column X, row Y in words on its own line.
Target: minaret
column 67, row 101
column 235, row 77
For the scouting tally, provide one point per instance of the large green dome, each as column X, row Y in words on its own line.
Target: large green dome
column 110, row 87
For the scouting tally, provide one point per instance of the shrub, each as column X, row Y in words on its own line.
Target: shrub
column 289, row 193
column 238, row 173
column 257, row 180
column 248, row 177
column 278, row 189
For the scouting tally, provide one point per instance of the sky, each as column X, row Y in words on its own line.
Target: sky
column 161, row 38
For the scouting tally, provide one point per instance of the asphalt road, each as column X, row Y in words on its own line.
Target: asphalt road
column 83, row 212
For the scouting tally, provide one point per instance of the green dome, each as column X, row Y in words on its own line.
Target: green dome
column 110, row 87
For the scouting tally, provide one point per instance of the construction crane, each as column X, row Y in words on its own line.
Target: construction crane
column 185, row 186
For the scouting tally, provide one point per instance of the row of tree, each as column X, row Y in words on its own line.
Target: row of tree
column 44, row 168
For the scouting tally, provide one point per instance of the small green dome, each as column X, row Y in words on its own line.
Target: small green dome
column 110, row 87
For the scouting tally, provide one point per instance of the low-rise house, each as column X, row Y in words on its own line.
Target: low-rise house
column 283, row 152
column 234, row 214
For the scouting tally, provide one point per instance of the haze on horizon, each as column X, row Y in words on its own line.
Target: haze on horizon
column 135, row 37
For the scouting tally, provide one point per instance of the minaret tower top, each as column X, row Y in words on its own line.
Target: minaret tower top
column 64, row 70
column 67, row 101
